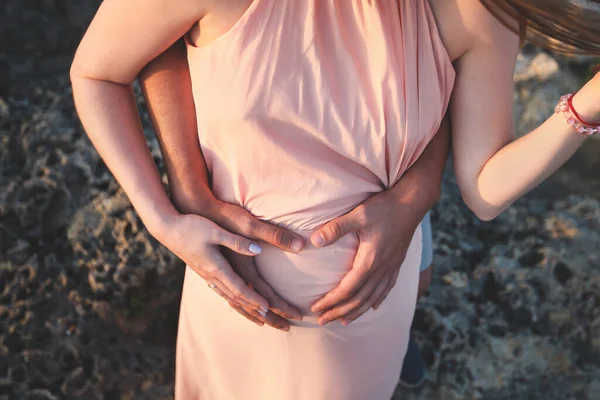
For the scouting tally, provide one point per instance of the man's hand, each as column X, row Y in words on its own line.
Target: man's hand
column 385, row 224
column 238, row 220
column 385, row 229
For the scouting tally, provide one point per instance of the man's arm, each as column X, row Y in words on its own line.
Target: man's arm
column 419, row 188
column 167, row 88
column 166, row 84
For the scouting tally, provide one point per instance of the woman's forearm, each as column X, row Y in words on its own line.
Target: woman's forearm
column 167, row 88
column 110, row 117
column 523, row 164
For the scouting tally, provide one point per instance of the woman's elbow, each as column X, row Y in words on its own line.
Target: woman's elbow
column 481, row 208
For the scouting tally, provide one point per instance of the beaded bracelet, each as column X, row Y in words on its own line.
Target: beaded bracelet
column 565, row 106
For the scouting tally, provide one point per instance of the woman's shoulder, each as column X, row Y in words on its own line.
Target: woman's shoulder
column 466, row 24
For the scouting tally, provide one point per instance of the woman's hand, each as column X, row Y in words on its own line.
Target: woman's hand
column 196, row 241
column 279, row 310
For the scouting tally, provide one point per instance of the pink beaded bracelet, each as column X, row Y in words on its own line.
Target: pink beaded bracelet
column 565, row 106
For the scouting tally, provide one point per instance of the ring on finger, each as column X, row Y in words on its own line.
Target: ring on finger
column 212, row 285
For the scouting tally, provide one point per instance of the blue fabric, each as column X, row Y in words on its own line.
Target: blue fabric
column 427, row 250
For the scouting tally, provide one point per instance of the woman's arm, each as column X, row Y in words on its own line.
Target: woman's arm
column 124, row 36
column 492, row 170
column 167, row 87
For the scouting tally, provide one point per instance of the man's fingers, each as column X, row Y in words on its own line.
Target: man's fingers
column 276, row 236
column 350, row 284
column 247, row 315
column 390, row 285
column 376, row 295
column 332, row 231
column 343, row 292
column 357, row 302
column 276, row 304
column 239, row 220
column 276, row 321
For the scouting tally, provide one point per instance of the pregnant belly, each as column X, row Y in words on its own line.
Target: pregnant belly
column 302, row 278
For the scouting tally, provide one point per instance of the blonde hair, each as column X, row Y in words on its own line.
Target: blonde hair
column 564, row 26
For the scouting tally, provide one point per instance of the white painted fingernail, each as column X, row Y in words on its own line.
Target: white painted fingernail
column 262, row 312
column 255, row 249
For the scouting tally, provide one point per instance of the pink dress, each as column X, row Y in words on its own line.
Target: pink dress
column 305, row 109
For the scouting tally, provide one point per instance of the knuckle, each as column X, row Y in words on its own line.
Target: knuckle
column 345, row 296
column 236, row 295
column 237, row 242
column 335, row 228
column 362, row 214
column 216, row 236
column 277, row 237
column 248, row 225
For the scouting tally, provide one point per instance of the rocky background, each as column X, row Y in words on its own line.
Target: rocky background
column 88, row 299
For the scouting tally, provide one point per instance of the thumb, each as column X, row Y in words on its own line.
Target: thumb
column 332, row 231
column 237, row 243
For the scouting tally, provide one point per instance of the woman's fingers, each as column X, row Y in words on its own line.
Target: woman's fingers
column 246, row 269
column 239, row 220
column 259, row 317
column 228, row 295
column 237, row 243
column 232, row 285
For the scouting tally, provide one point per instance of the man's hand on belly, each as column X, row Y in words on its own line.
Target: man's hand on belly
column 385, row 225
column 385, row 230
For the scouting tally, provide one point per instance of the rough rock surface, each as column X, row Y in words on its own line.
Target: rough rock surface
column 88, row 300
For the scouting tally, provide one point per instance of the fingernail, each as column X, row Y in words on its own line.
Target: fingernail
column 254, row 248
column 263, row 313
column 319, row 240
column 296, row 245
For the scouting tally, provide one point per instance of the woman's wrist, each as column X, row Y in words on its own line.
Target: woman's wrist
column 587, row 101
column 160, row 221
